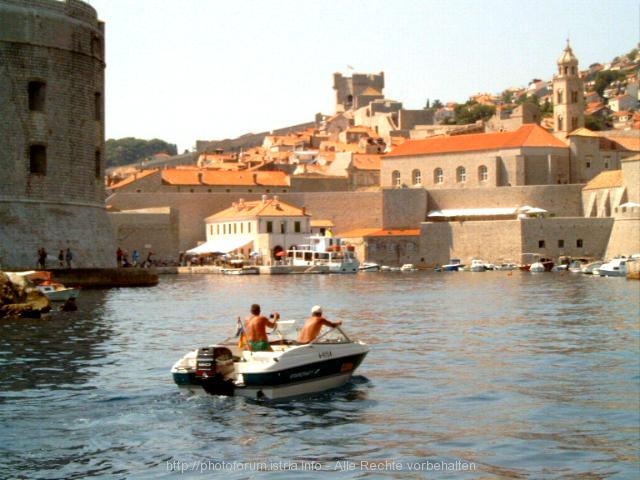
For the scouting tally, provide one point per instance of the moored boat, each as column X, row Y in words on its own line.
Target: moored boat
column 369, row 267
column 454, row 265
column 324, row 251
column 614, row 268
column 290, row 369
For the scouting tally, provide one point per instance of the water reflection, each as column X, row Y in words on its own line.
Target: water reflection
column 56, row 351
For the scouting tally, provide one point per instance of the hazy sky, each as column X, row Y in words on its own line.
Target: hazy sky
column 187, row 70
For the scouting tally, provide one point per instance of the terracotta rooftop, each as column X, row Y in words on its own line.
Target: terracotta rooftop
column 268, row 207
column 220, row 177
column 133, row 178
column 610, row 179
column 363, row 161
column 529, row 135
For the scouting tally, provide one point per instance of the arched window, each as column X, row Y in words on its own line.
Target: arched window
column 416, row 177
column 483, row 173
column 559, row 122
column 395, row 178
column 438, row 176
column 461, row 175
column 559, row 96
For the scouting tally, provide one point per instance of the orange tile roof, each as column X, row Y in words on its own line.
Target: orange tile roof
column 529, row 135
column 221, row 177
column 133, row 178
column 363, row 161
column 612, row 179
column 270, row 207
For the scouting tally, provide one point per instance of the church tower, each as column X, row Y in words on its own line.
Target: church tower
column 568, row 95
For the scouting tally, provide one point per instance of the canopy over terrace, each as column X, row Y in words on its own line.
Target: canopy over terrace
column 473, row 213
column 221, row 245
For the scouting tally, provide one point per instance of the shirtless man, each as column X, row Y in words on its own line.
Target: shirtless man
column 313, row 326
column 256, row 329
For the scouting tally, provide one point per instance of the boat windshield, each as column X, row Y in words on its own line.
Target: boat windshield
column 289, row 329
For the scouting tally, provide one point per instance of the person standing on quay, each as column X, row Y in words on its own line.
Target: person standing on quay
column 68, row 257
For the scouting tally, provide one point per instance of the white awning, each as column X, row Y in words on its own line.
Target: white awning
column 221, row 245
column 472, row 212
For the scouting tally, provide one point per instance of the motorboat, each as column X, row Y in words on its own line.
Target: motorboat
column 454, row 265
column 589, row 268
column 408, row 267
column 507, row 266
column 56, row 292
column 324, row 251
column 539, row 263
column 478, row 266
column 369, row 267
column 290, row 369
column 615, row 268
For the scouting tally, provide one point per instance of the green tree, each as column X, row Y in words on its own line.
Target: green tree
column 125, row 151
column 604, row 78
column 473, row 111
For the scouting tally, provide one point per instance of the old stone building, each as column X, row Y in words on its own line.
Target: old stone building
column 52, row 129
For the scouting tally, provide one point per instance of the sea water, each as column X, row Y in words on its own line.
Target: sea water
column 470, row 375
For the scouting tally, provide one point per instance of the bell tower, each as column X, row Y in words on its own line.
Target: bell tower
column 568, row 94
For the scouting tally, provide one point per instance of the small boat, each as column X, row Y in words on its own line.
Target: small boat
column 369, row 267
column 615, row 268
column 539, row 263
column 56, row 292
column 453, row 266
column 508, row 266
column 241, row 271
column 291, row 369
column 478, row 266
column 408, row 267
column 589, row 268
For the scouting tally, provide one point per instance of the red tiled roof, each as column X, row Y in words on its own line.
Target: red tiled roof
column 220, row 177
column 611, row 179
column 133, row 178
column 272, row 207
column 529, row 135
column 363, row 161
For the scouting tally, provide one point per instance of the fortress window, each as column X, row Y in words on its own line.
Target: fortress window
column 97, row 165
column 395, row 178
column 38, row 159
column 541, row 244
column 579, row 243
column 97, row 106
column 483, row 173
column 416, row 177
column 438, row 176
column 560, row 243
column 37, row 95
column 269, row 226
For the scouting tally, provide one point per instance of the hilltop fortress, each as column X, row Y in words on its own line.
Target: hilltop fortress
column 400, row 184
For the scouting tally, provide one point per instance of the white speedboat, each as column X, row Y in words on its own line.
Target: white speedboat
column 615, row 268
column 478, row 265
column 323, row 251
column 408, row 267
column 291, row 369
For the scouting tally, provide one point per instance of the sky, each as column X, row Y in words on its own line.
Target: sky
column 187, row 70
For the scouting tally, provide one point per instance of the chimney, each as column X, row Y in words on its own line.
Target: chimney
column 264, row 199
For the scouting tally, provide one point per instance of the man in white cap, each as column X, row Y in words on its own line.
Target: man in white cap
column 313, row 326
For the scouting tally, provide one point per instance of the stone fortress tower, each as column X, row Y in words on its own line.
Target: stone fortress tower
column 357, row 91
column 52, row 130
column 568, row 92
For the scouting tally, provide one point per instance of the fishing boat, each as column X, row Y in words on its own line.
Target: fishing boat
column 290, row 369
column 324, row 251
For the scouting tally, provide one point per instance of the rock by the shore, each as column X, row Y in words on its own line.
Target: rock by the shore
column 18, row 299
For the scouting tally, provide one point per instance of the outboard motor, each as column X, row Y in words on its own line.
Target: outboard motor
column 214, row 366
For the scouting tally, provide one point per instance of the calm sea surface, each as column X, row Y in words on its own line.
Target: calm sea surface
column 508, row 375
